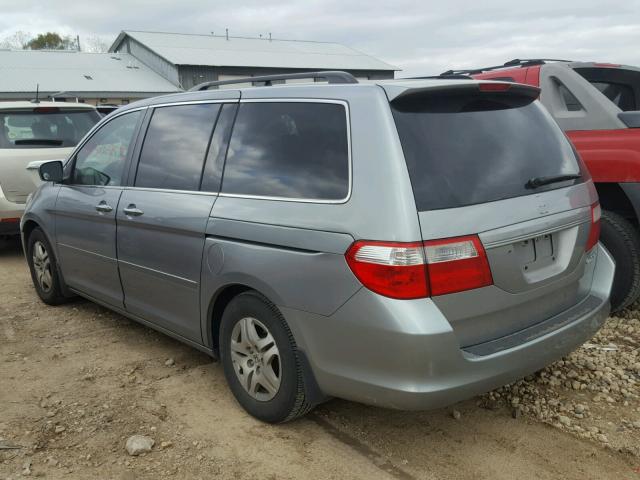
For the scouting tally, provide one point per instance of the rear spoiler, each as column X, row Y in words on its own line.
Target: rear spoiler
column 501, row 89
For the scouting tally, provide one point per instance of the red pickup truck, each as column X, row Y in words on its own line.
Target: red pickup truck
column 598, row 107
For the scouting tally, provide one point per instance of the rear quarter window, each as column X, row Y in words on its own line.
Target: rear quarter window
column 292, row 150
column 468, row 150
column 47, row 128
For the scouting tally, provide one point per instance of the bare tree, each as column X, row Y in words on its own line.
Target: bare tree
column 18, row 41
column 94, row 44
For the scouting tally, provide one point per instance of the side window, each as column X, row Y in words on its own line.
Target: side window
column 297, row 150
column 101, row 160
column 218, row 149
column 175, row 146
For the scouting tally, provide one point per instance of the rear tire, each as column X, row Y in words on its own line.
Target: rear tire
column 44, row 269
column 260, row 360
column 622, row 240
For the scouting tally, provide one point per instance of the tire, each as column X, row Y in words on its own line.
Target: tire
column 44, row 269
column 270, row 387
column 622, row 240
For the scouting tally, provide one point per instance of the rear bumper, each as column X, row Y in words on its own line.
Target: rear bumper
column 10, row 210
column 405, row 355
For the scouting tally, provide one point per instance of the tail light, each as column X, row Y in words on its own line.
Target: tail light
column 494, row 87
column 594, row 231
column 420, row 269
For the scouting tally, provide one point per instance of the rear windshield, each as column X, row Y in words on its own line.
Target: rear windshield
column 51, row 129
column 463, row 150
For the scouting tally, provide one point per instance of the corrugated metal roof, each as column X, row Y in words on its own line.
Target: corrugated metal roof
column 55, row 71
column 192, row 49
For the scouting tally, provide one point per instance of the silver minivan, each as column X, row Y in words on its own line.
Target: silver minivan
column 405, row 244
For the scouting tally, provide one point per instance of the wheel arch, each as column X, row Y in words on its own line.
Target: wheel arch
column 623, row 199
column 217, row 305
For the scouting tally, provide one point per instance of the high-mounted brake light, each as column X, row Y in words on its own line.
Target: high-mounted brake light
column 420, row 269
column 494, row 87
column 46, row 110
column 594, row 230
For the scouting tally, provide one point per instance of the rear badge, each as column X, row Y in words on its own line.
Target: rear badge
column 543, row 209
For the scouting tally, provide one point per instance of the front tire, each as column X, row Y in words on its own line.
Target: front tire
column 44, row 268
column 260, row 360
column 621, row 238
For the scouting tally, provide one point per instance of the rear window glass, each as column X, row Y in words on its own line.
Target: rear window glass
column 59, row 128
column 289, row 150
column 467, row 150
column 175, row 146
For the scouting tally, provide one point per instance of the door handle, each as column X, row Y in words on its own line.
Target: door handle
column 133, row 211
column 103, row 207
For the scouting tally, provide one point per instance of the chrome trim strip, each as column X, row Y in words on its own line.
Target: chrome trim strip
column 169, row 190
column 194, row 102
column 537, row 233
column 93, row 254
column 349, row 152
column 159, row 273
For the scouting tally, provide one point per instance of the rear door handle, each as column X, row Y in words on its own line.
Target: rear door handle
column 103, row 207
column 133, row 211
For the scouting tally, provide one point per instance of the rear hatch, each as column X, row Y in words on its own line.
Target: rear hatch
column 488, row 160
column 37, row 133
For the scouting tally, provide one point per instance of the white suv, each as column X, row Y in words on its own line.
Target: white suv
column 29, row 132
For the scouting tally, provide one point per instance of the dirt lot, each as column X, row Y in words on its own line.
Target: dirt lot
column 76, row 381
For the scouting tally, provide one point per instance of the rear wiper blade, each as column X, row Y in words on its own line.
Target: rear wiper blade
column 536, row 182
column 38, row 141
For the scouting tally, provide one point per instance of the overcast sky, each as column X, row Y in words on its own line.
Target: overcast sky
column 418, row 37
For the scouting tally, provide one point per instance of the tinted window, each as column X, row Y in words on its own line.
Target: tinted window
column 175, row 145
column 621, row 95
column 101, row 159
column 218, row 149
column 291, row 150
column 47, row 127
column 467, row 151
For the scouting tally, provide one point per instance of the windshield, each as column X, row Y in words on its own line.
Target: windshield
column 49, row 128
column 464, row 151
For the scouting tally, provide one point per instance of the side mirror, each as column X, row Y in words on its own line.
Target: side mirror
column 51, row 171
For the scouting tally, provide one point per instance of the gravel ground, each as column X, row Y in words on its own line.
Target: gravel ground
column 77, row 381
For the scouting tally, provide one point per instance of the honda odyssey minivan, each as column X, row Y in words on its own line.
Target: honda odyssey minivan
column 405, row 244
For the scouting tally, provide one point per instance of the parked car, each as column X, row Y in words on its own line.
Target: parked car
column 34, row 131
column 598, row 107
column 405, row 244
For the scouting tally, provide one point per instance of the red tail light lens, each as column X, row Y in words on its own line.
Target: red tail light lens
column 395, row 270
column 457, row 264
column 420, row 269
column 594, row 231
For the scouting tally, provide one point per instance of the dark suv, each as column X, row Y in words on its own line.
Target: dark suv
column 598, row 107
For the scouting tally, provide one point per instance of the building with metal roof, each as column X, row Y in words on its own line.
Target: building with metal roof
column 189, row 59
column 77, row 76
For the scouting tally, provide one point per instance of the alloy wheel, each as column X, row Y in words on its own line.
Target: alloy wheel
column 42, row 266
column 256, row 359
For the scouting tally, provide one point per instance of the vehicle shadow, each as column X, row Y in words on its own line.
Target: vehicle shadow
column 10, row 247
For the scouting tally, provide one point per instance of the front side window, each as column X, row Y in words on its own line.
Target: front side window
column 101, row 160
column 175, row 146
column 297, row 150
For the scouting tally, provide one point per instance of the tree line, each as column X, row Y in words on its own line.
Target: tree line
column 52, row 41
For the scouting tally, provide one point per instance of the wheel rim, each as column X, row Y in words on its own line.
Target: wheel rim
column 42, row 266
column 256, row 359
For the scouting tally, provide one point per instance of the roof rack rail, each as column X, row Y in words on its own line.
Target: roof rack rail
column 442, row 76
column 516, row 62
column 331, row 76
